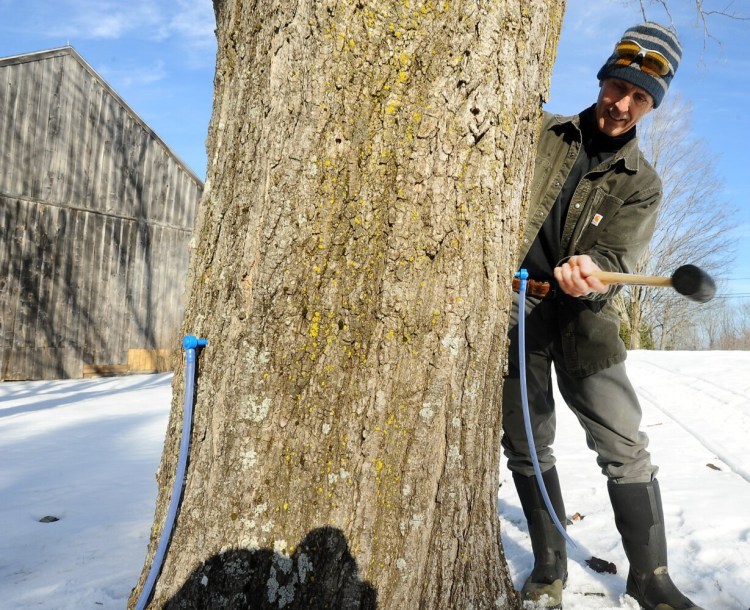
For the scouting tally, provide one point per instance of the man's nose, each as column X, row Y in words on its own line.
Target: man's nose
column 623, row 104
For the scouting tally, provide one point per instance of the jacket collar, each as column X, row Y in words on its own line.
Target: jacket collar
column 629, row 154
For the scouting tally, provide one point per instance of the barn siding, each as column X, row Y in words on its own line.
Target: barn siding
column 95, row 218
column 101, row 297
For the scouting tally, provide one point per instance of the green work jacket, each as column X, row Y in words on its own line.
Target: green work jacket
column 611, row 218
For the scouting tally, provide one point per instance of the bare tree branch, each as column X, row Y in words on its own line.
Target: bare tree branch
column 703, row 14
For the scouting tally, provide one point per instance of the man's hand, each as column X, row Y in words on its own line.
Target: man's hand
column 574, row 276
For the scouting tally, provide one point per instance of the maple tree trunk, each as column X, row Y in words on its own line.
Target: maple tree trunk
column 351, row 271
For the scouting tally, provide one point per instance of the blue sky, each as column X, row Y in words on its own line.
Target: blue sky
column 159, row 56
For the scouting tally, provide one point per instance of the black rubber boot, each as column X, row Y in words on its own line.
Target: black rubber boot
column 640, row 520
column 545, row 583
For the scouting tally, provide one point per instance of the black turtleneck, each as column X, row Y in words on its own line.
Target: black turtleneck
column 596, row 148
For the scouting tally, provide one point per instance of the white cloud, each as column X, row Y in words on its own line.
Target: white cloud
column 195, row 22
column 131, row 78
column 190, row 23
column 181, row 29
column 192, row 27
column 103, row 19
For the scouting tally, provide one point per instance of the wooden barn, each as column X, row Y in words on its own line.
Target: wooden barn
column 96, row 214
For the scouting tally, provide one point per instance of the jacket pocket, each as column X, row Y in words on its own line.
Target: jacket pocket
column 602, row 210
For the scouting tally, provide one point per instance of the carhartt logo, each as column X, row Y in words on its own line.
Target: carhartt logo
column 597, row 219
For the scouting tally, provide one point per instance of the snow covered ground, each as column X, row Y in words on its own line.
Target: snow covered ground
column 86, row 452
column 696, row 409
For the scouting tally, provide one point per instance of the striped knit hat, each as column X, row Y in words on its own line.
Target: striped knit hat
column 650, row 37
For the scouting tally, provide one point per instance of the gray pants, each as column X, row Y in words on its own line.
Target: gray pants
column 604, row 403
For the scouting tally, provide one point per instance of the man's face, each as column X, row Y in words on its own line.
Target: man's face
column 620, row 106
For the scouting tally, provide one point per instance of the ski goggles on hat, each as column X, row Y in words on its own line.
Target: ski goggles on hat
column 652, row 62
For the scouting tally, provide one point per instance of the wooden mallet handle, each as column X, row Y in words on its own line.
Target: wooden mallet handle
column 610, row 277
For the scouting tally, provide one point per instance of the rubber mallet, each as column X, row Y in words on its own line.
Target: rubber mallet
column 688, row 280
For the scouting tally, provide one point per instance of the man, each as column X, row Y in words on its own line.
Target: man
column 594, row 201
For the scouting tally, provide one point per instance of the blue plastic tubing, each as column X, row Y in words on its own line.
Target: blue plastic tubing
column 523, row 276
column 190, row 343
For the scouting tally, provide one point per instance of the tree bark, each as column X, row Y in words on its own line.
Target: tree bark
column 351, row 271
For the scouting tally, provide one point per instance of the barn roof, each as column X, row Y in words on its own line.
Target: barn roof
column 69, row 50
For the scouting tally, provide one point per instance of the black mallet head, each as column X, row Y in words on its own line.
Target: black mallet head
column 694, row 283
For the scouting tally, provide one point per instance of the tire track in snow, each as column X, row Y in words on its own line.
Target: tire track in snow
column 707, row 435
